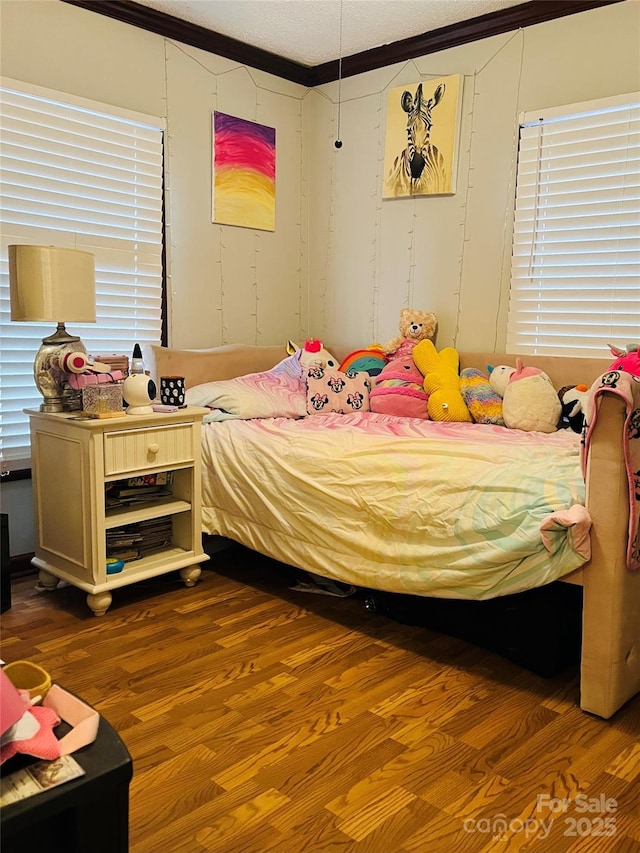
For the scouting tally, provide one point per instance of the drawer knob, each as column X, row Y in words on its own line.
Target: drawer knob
column 154, row 448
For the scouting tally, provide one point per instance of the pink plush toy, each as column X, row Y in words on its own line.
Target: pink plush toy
column 626, row 359
column 399, row 390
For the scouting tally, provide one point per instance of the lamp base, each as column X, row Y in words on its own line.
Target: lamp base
column 49, row 375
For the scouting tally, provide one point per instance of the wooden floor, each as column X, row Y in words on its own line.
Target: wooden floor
column 263, row 720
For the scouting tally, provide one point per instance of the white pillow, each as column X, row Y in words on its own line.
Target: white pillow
column 277, row 393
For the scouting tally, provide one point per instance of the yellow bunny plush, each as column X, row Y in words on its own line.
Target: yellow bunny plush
column 441, row 382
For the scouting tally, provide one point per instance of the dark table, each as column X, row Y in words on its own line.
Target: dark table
column 86, row 815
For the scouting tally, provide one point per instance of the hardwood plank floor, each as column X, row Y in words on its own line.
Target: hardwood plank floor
column 265, row 720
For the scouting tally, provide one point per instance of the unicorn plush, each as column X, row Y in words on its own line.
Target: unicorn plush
column 313, row 354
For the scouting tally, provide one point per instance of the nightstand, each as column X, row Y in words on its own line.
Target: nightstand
column 73, row 459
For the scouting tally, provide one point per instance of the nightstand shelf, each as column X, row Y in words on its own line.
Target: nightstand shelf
column 72, row 461
column 162, row 507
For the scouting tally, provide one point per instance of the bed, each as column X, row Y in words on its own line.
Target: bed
column 344, row 497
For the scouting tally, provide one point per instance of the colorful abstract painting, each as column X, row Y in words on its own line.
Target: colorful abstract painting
column 244, row 173
column 421, row 146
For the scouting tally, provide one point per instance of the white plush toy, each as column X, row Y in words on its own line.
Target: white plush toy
column 313, row 354
column 499, row 377
column 530, row 402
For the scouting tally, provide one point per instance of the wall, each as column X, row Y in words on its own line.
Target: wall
column 225, row 284
column 451, row 254
column 342, row 261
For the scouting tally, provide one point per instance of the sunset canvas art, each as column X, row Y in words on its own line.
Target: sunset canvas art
column 244, row 173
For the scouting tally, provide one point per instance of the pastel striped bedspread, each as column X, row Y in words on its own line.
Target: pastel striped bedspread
column 400, row 504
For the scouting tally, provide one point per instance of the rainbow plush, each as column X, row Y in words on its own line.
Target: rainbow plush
column 369, row 361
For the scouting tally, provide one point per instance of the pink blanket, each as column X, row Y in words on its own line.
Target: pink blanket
column 626, row 386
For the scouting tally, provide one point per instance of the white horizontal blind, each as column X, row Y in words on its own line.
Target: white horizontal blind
column 575, row 276
column 75, row 175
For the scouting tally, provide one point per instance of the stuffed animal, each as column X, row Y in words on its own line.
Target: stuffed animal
column 626, row 359
column 530, row 401
column 483, row 402
column 573, row 399
column 415, row 326
column 441, row 382
column 313, row 354
column 399, row 390
column 499, row 377
column 370, row 360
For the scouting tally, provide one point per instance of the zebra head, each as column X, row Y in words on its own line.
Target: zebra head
column 419, row 123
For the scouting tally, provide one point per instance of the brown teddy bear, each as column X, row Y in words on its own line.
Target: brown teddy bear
column 415, row 326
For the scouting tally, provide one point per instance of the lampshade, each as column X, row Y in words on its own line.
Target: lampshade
column 51, row 284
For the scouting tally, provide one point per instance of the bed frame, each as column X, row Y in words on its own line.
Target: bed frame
column 610, row 658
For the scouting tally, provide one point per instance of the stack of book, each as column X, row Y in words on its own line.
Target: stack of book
column 138, row 490
column 136, row 540
column 123, row 543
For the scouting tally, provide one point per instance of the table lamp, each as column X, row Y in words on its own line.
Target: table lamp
column 50, row 284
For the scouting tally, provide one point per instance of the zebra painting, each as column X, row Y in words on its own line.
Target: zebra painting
column 421, row 168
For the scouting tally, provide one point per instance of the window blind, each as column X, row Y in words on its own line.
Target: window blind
column 575, row 275
column 77, row 175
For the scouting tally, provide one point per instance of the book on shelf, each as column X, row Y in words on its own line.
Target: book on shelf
column 126, row 497
column 143, row 484
column 126, row 556
column 129, row 491
column 162, row 478
column 136, row 540
column 124, row 542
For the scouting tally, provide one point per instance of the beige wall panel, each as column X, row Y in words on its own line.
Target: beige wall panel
column 582, row 57
column 307, row 112
column 322, row 162
column 193, row 243
column 279, row 284
column 73, row 50
column 239, row 284
column 352, row 236
column 278, row 254
column 237, row 94
column 491, row 105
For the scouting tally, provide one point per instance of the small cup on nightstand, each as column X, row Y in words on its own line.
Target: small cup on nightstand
column 172, row 391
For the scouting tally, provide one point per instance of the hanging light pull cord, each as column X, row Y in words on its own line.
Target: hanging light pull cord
column 338, row 142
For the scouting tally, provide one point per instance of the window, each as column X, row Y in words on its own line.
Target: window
column 80, row 175
column 575, row 278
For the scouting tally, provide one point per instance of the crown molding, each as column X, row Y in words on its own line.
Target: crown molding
column 484, row 26
column 174, row 28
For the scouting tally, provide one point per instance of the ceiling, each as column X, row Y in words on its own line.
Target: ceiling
column 308, row 31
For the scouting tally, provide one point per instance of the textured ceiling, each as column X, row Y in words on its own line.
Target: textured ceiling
column 309, row 31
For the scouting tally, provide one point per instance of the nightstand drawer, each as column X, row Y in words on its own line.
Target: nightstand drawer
column 135, row 449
